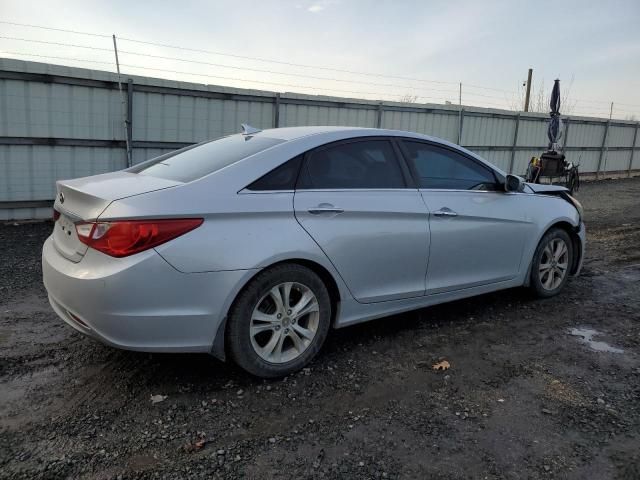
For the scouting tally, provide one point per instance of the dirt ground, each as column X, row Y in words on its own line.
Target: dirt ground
column 524, row 398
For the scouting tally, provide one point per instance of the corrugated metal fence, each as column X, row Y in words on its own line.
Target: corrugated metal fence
column 61, row 122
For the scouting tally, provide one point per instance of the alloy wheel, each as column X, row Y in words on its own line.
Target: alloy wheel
column 284, row 322
column 554, row 263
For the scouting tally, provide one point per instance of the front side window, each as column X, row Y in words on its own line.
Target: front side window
column 354, row 165
column 441, row 168
column 193, row 163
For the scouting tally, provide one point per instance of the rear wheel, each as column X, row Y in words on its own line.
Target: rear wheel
column 279, row 321
column 551, row 263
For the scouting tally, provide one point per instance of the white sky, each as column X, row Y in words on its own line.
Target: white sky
column 488, row 44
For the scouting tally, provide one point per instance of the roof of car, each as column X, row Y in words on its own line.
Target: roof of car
column 291, row 133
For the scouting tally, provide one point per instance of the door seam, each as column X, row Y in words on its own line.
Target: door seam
column 295, row 215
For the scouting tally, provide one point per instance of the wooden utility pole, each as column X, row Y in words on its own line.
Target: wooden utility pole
column 528, row 94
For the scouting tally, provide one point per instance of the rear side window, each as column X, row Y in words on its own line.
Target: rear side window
column 441, row 168
column 362, row 164
column 193, row 163
column 280, row 178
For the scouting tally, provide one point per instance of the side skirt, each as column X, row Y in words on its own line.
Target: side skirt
column 352, row 312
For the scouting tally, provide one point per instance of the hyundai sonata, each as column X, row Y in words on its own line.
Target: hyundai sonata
column 254, row 245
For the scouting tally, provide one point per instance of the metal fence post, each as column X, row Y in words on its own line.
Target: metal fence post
column 379, row 116
column 129, row 121
column 602, row 148
column 122, row 103
column 276, row 111
column 567, row 122
column 633, row 149
column 515, row 142
column 460, row 121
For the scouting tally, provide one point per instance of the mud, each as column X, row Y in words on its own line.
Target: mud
column 524, row 397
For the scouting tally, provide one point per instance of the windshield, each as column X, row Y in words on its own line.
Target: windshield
column 195, row 162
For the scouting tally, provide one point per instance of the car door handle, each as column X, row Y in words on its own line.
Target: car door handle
column 325, row 208
column 445, row 212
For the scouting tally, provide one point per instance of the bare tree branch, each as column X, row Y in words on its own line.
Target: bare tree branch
column 540, row 98
column 408, row 98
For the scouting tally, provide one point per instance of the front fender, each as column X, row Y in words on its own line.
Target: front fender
column 547, row 211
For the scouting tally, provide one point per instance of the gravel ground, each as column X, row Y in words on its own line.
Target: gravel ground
column 524, row 398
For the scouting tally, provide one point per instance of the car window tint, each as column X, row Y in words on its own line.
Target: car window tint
column 365, row 164
column 281, row 178
column 204, row 159
column 443, row 168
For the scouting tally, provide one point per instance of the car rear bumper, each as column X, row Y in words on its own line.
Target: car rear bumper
column 139, row 302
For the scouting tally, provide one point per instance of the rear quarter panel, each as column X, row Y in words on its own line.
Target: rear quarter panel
column 241, row 231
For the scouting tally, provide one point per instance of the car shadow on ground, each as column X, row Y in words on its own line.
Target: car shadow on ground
column 206, row 369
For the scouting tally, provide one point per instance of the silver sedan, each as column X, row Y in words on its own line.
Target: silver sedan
column 254, row 245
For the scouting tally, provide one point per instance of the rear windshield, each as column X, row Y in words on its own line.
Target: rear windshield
column 195, row 162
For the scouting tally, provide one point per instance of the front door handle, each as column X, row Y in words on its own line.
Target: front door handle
column 445, row 212
column 325, row 208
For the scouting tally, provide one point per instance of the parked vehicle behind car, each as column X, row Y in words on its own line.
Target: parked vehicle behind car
column 254, row 245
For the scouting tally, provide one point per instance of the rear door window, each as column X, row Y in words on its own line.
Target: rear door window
column 192, row 163
column 354, row 165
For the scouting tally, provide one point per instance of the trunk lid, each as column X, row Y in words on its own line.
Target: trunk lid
column 84, row 199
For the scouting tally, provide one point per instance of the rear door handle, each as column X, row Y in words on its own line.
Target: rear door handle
column 445, row 212
column 325, row 208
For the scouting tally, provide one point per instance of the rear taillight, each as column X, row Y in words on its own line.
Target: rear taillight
column 125, row 237
column 56, row 215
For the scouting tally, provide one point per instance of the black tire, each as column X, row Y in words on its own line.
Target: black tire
column 539, row 282
column 238, row 338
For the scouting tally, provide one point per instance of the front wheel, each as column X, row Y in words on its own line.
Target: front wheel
column 279, row 321
column 551, row 263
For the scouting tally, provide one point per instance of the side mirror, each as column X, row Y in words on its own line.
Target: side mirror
column 514, row 183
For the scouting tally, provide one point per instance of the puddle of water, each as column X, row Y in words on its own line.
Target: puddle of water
column 586, row 336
